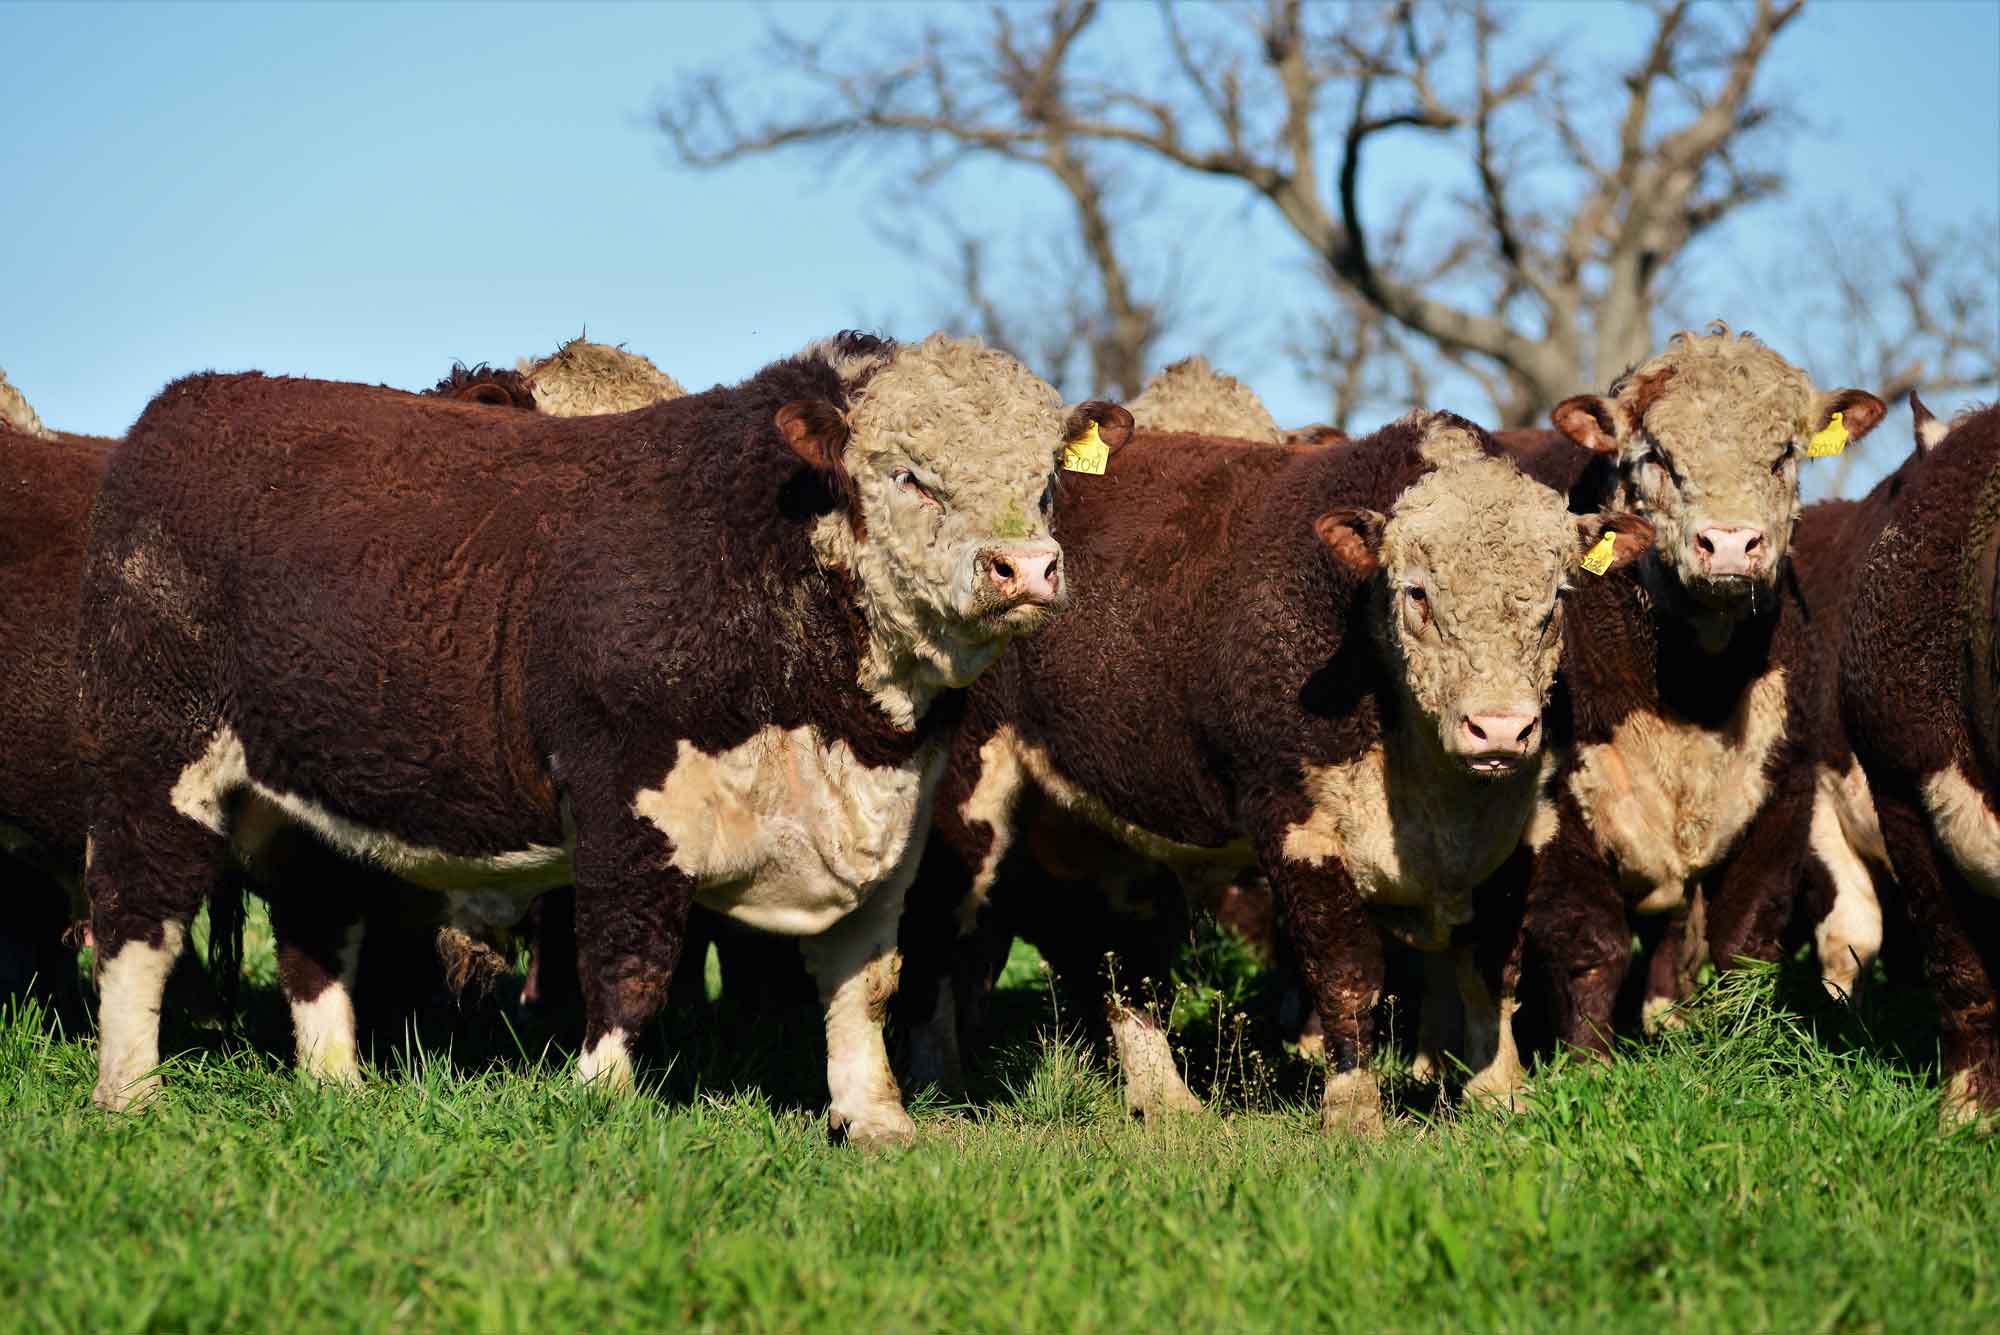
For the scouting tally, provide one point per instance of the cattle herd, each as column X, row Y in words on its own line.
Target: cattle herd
column 889, row 651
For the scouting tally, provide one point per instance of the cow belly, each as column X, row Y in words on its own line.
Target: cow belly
column 1413, row 838
column 492, row 885
column 787, row 832
column 1666, row 798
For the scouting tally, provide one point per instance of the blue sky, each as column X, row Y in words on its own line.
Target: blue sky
column 368, row 192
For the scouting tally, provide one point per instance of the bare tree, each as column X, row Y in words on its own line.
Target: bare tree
column 1002, row 92
column 1908, row 304
column 1578, row 184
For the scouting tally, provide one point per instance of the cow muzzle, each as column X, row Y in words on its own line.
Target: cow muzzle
column 1020, row 584
column 1728, row 562
column 1497, row 744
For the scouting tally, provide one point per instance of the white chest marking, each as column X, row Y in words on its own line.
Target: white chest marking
column 1666, row 798
column 486, row 891
column 789, row 833
column 1966, row 826
column 1415, row 838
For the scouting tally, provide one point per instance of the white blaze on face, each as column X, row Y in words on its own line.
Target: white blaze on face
column 1709, row 437
column 951, row 452
column 1473, row 558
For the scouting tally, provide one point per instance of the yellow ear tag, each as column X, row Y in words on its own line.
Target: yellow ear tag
column 1830, row 439
column 1087, row 453
column 1598, row 559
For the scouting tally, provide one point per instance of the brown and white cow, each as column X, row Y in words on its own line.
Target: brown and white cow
column 1847, row 856
column 1192, row 396
column 1692, row 676
column 1920, row 697
column 704, row 650
column 1328, row 664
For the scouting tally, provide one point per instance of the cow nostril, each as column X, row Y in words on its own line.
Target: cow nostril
column 1475, row 730
column 1002, row 568
column 1527, row 732
column 1756, row 541
column 1703, row 545
column 1050, row 573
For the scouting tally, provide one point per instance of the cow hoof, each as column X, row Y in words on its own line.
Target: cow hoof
column 1961, row 1108
column 1157, row 1100
column 1352, row 1106
column 875, row 1129
column 1660, row 1014
column 1427, row 1068
column 1312, row 1047
column 132, row 1096
column 1505, row 1097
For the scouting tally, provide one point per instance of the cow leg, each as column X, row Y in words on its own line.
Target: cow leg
column 1669, row 951
column 1946, row 915
column 1340, row 953
column 146, row 877
column 1577, row 918
column 319, row 955
column 856, row 963
column 1848, row 934
column 945, row 935
column 1488, row 974
column 1751, row 897
column 551, row 985
column 1441, row 1021
column 632, row 906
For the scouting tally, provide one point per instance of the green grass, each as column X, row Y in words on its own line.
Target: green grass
column 1744, row 1174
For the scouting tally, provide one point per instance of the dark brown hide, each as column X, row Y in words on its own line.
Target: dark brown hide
column 1907, row 706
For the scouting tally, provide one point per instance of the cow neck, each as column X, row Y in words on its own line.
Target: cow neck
column 1702, row 681
column 1714, row 629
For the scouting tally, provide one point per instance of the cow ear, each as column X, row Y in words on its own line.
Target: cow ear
column 1630, row 536
column 1927, row 429
column 1114, row 424
column 1589, row 420
column 1859, row 412
column 485, row 392
column 816, row 432
column 1354, row 536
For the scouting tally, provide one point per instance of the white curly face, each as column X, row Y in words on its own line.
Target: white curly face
column 1474, row 557
column 1717, row 452
column 952, row 454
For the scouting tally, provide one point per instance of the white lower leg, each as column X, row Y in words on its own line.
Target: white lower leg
column 1850, row 936
column 1498, row 1076
column 1153, row 1083
column 607, row 1062
column 856, row 965
column 323, row 1028
column 130, row 985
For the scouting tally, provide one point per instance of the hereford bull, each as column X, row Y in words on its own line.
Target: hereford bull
column 708, row 649
column 1920, row 696
column 1327, row 664
column 583, row 379
column 1692, row 676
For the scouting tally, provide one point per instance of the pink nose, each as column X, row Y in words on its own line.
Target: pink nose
column 1730, row 551
column 1497, row 735
column 1025, row 576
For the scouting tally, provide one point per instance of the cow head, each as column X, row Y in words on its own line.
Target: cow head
column 1471, row 563
column 1709, row 435
column 945, row 458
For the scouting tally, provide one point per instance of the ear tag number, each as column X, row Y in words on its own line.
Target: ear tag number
column 1087, row 453
column 1830, row 439
column 1598, row 559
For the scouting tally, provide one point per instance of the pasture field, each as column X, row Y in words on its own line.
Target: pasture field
column 1743, row 1173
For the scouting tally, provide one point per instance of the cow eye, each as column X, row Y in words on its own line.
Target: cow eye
column 1416, row 608
column 1785, row 456
column 908, row 481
